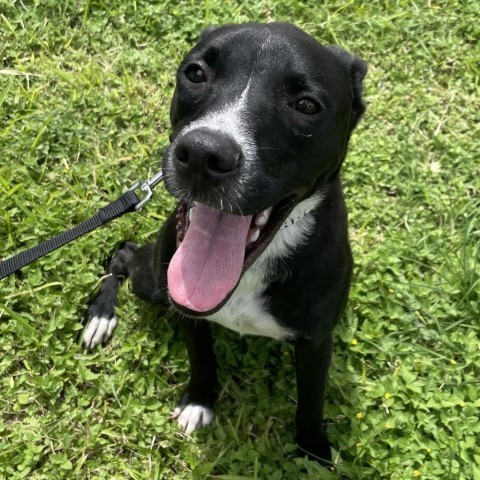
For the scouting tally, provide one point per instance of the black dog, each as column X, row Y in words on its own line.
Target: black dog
column 261, row 117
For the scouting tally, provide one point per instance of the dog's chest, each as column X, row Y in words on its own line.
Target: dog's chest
column 247, row 310
column 247, row 313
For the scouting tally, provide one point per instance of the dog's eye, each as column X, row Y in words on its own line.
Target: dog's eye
column 195, row 74
column 307, row 106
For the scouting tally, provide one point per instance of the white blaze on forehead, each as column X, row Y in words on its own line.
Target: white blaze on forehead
column 230, row 120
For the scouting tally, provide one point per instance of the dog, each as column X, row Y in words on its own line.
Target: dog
column 261, row 118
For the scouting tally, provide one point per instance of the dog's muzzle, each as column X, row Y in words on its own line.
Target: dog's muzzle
column 206, row 157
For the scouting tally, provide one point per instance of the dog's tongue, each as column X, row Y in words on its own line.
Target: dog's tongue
column 208, row 264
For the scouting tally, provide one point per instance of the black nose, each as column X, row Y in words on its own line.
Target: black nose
column 207, row 154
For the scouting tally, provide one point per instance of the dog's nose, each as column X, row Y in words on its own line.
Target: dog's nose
column 208, row 154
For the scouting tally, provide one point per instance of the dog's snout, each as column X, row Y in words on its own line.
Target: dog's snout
column 208, row 154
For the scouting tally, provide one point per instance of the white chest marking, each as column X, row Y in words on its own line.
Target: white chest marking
column 246, row 311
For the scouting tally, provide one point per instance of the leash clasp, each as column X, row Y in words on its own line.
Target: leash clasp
column 147, row 186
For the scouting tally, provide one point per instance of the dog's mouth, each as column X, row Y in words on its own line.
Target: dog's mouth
column 214, row 250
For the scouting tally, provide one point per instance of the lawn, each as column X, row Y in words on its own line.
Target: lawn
column 84, row 98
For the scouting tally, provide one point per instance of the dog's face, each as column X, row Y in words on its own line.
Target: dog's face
column 260, row 112
column 261, row 119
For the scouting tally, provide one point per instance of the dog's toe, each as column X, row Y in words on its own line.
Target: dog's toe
column 193, row 417
column 99, row 330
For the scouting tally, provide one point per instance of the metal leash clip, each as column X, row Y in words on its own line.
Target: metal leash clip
column 147, row 186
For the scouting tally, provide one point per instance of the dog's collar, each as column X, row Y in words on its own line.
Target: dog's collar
column 302, row 210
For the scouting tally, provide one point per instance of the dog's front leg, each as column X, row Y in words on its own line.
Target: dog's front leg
column 195, row 409
column 312, row 362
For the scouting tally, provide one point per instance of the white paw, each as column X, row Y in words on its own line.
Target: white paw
column 193, row 417
column 99, row 330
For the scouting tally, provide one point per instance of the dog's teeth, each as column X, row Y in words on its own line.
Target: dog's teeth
column 190, row 214
column 262, row 218
column 254, row 235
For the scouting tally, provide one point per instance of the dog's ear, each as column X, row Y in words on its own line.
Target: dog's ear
column 357, row 69
column 207, row 31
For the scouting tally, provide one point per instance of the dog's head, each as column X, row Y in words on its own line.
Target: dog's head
column 261, row 118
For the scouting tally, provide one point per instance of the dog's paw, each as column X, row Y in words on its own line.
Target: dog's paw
column 192, row 417
column 99, row 330
column 318, row 450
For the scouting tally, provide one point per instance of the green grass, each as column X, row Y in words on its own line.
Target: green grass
column 84, row 95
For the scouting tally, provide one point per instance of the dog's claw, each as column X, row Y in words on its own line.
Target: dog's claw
column 193, row 417
column 99, row 330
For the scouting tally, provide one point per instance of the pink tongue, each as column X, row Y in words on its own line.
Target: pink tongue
column 208, row 264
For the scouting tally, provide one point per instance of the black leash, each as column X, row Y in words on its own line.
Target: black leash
column 126, row 203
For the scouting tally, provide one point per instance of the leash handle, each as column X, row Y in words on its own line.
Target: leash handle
column 126, row 203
